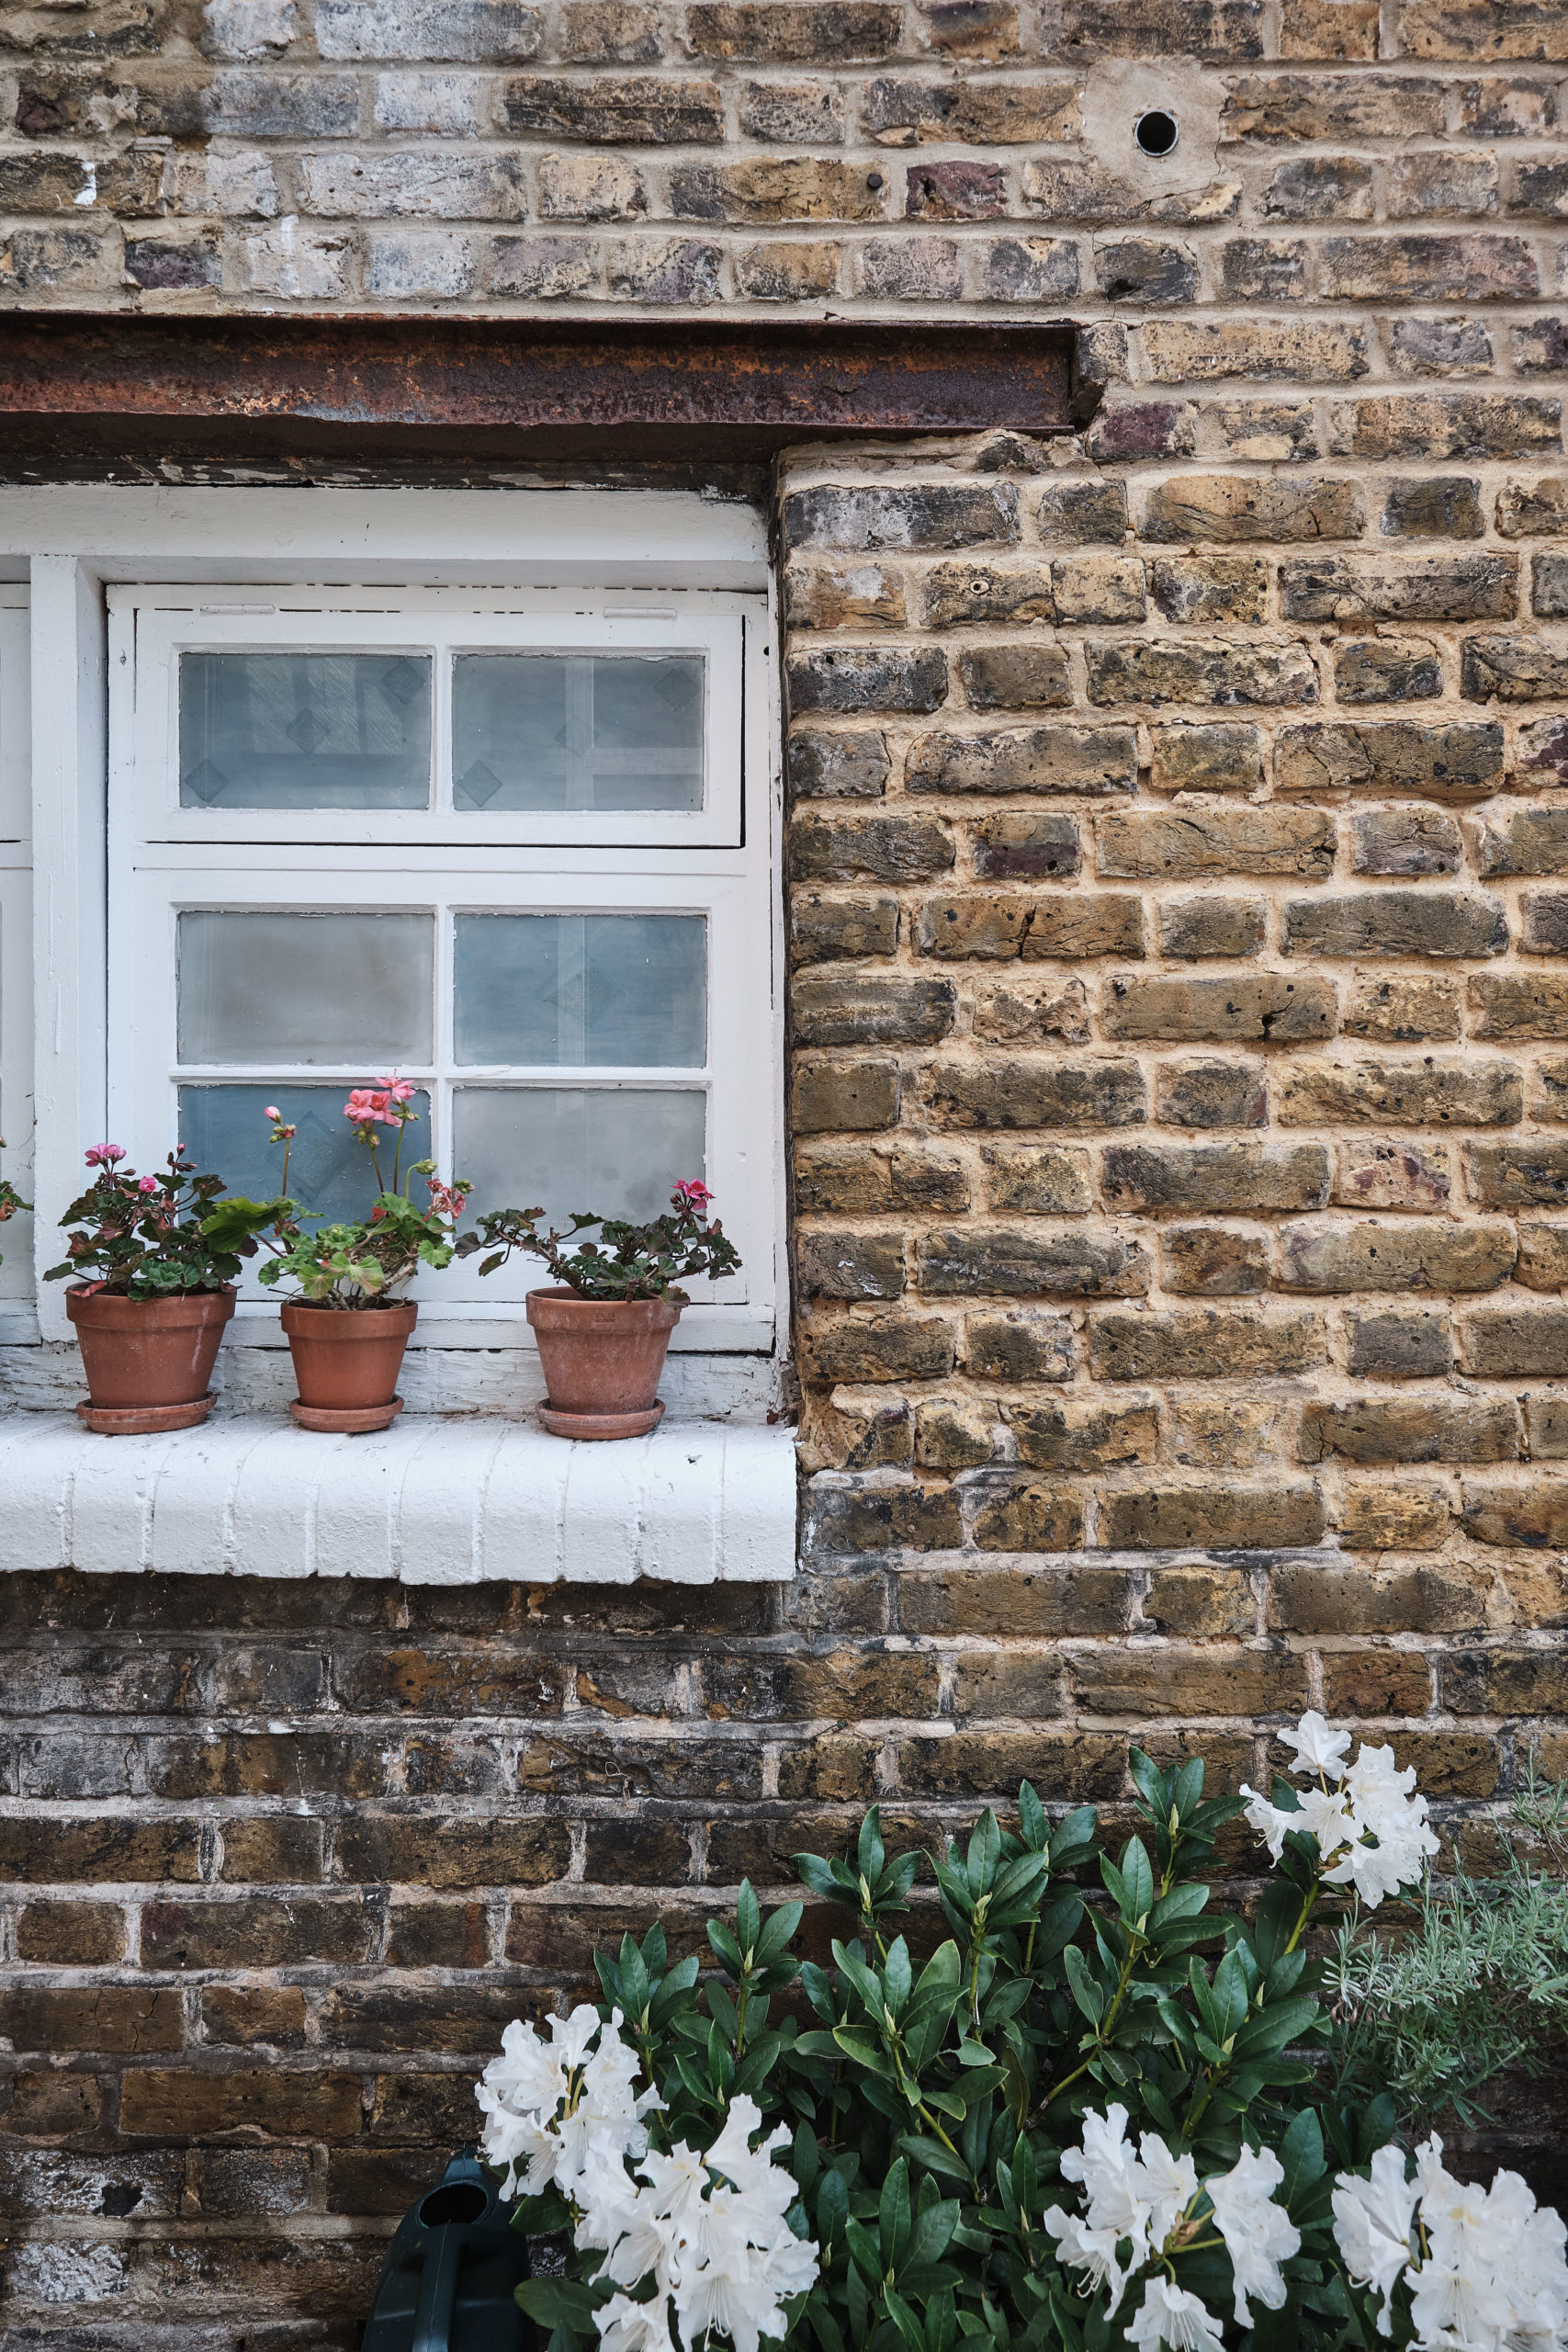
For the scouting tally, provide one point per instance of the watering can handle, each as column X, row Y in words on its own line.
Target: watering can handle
column 438, row 2289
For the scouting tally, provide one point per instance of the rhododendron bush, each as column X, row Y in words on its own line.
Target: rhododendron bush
column 1095, row 2115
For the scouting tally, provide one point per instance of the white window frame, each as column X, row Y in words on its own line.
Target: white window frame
column 716, row 863
column 16, row 1320
column 594, row 548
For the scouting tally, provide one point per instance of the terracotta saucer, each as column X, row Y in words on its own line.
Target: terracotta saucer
column 599, row 1425
column 143, row 1420
column 346, row 1420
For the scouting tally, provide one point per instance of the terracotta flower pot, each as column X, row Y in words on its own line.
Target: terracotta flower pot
column 148, row 1361
column 346, row 1361
column 601, row 1359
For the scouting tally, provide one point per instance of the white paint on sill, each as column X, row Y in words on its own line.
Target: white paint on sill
column 429, row 1501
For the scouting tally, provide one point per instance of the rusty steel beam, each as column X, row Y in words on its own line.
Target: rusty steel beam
column 519, row 383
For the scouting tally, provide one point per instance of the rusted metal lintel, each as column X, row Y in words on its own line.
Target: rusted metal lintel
column 526, row 383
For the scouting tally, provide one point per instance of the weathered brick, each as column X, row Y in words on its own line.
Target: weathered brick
column 1225, row 1517
column 1265, row 431
column 1191, row 928
column 1092, row 760
column 1239, row 1008
column 1477, row 269
column 1042, row 1091
column 1082, row 513
column 1379, row 1253
column 254, row 1933
column 972, row 1261
column 1024, row 1011
column 1384, row 1515
column 1183, row 845
column 1248, row 1177
column 1524, row 841
column 1398, row 1343
column 999, row 1601
column 1526, row 1172
column 903, row 848
column 844, row 1096
column 852, row 678
column 122, row 2019
column 1225, row 32
column 934, row 515
column 1070, row 1436
column 1409, row 1428
column 451, row 1851
column 1456, row 762
column 70, row 1935
column 1408, row 841
column 1313, row 351
column 1019, row 1514
column 610, row 32
column 954, row 1432
column 1333, row 105
column 470, row 32
column 1320, row 187
column 1527, row 1517
column 1446, row 424
column 1072, row 928
column 865, row 1009
column 1212, row 1094
column 1038, row 1179
column 643, row 110
column 1518, row 1005
column 1203, row 1343
column 1186, row 758
column 825, row 930
column 1513, row 1343
column 1206, row 589
column 246, row 2015
column 1026, row 845
column 1021, row 110
column 1015, row 678
column 1250, row 507
column 1428, row 1092
column 839, row 766
column 1142, row 269
column 850, row 1265
column 1018, row 1343
column 843, row 595
column 1455, row 347
column 42, row 1849
column 1441, row 506
column 1532, row 509
column 882, row 1518
column 1436, row 588
column 1403, row 1010
column 784, row 271
column 878, row 1348
column 794, row 31
column 1481, row 28
column 766, row 188
column 1216, row 671
column 1214, row 1261
column 1395, row 922
column 1400, row 1174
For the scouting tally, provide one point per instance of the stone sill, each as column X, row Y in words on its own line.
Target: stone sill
column 429, row 1500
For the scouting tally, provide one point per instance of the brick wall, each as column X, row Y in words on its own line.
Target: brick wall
column 1178, row 899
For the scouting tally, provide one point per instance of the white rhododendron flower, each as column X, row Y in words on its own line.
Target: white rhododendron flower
column 720, row 2252
column 1145, row 2202
column 1258, row 2234
column 1170, row 2315
column 1485, row 2267
column 551, row 2105
column 1371, row 1827
column 1319, row 1747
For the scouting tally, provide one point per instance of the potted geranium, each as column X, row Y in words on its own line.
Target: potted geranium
column 157, row 1293
column 351, row 1322
column 603, row 1329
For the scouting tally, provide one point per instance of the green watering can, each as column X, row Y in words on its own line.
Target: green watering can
column 452, row 2271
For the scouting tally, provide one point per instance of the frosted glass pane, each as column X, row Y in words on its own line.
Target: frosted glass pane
column 304, row 731
column 615, row 1150
column 577, row 731
column 587, row 990
column 271, row 989
column 225, row 1130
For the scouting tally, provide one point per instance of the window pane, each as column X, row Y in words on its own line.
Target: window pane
column 270, row 989
column 304, row 731
column 588, row 989
column 577, row 731
column 226, row 1131
column 617, row 1151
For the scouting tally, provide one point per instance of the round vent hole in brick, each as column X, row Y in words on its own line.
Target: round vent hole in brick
column 1155, row 132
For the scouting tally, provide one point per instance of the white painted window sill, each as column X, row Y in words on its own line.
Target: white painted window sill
column 430, row 1501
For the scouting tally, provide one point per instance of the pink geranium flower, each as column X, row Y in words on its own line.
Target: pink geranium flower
column 368, row 1109
column 148, row 1184
column 103, row 1154
column 695, row 1196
